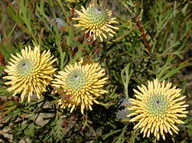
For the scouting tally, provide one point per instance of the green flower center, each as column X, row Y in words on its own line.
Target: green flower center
column 157, row 104
column 25, row 67
column 76, row 79
column 97, row 15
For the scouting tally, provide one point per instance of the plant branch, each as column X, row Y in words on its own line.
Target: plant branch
column 144, row 35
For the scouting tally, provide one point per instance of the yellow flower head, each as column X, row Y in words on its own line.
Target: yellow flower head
column 72, row 1
column 81, row 84
column 29, row 72
column 158, row 107
column 97, row 21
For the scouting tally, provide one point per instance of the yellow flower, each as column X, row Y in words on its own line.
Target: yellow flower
column 29, row 72
column 80, row 85
column 97, row 21
column 158, row 108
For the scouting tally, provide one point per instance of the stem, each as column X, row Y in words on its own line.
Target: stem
column 133, row 136
column 144, row 35
column 79, row 52
column 2, row 61
column 12, row 30
column 40, row 107
column 62, row 56
column 72, row 14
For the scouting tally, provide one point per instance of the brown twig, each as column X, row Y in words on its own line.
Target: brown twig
column 139, row 25
column 2, row 61
column 72, row 14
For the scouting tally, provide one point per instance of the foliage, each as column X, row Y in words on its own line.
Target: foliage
column 153, row 41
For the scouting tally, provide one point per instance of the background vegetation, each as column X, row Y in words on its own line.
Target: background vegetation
column 153, row 41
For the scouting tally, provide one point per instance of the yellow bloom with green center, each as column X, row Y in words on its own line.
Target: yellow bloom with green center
column 29, row 72
column 97, row 21
column 158, row 108
column 80, row 84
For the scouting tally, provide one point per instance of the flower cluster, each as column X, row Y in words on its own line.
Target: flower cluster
column 30, row 72
column 158, row 107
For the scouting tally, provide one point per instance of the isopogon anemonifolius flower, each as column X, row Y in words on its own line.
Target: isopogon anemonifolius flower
column 80, row 84
column 158, row 107
column 97, row 21
column 29, row 72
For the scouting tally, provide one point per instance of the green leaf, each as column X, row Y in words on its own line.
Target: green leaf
column 189, row 126
column 126, row 74
column 121, row 138
column 172, row 72
column 104, row 137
